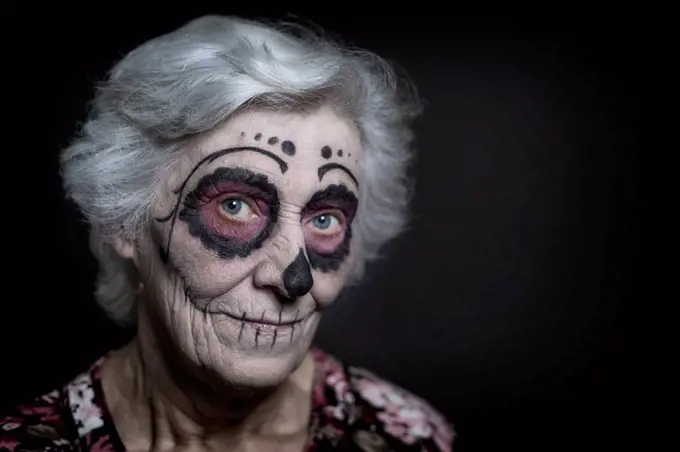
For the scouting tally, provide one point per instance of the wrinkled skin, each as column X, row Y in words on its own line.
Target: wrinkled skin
column 244, row 250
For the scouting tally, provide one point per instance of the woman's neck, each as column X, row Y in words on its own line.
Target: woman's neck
column 157, row 404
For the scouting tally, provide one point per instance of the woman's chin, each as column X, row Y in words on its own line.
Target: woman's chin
column 252, row 356
column 261, row 371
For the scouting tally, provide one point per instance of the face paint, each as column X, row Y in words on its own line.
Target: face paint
column 297, row 277
column 288, row 148
column 283, row 166
column 231, row 211
column 328, row 231
column 298, row 280
column 323, row 169
column 263, row 242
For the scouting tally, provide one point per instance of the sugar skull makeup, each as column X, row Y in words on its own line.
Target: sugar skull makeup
column 252, row 238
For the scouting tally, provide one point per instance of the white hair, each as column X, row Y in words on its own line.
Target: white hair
column 184, row 83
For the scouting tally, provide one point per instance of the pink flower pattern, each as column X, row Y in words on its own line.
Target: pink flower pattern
column 352, row 409
column 404, row 415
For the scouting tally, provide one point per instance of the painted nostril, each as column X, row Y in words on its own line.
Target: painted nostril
column 297, row 277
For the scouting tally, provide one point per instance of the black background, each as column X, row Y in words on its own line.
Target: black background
column 507, row 302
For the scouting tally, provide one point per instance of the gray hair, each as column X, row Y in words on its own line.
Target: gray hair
column 181, row 84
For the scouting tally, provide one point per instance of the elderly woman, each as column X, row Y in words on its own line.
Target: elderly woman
column 236, row 177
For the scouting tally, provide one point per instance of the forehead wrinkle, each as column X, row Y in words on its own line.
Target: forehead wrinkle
column 289, row 207
column 248, row 159
column 257, row 168
column 289, row 217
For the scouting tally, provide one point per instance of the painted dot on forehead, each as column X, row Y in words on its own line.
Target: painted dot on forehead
column 288, row 147
column 339, row 152
column 273, row 140
column 258, row 136
column 326, row 152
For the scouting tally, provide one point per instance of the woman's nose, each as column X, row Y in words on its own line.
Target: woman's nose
column 297, row 276
column 285, row 268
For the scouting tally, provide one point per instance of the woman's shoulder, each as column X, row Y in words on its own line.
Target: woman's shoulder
column 62, row 420
column 41, row 424
column 377, row 411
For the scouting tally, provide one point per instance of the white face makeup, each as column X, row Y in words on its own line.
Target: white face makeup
column 251, row 239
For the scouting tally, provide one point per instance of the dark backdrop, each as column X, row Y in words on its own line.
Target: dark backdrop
column 506, row 301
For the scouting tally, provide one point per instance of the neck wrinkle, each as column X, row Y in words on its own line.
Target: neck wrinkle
column 153, row 412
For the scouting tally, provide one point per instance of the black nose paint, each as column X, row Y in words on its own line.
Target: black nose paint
column 297, row 277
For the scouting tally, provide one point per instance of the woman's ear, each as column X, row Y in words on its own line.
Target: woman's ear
column 124, row 247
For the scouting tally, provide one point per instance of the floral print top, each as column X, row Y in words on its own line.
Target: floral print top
column 352, row 410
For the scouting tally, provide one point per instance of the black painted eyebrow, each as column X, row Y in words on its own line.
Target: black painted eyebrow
column 323, row 169
column 179, row 191
column 283, row 166
column 338, row 192
column 252, row 179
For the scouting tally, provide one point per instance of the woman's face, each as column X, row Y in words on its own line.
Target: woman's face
column 251, row 239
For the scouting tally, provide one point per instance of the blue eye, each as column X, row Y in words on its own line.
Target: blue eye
column 324, row 222
column 235, row 207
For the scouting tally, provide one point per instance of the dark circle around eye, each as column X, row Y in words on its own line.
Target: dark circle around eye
column 232, row 206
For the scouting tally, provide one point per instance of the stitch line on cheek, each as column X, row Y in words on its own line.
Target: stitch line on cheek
column 292, row 333
column 181, row 285
column 243, row 325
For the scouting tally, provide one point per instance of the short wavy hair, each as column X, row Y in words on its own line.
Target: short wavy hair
column 174, row 87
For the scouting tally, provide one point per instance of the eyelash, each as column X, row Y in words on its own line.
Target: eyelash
column 253, row 205
column 237, row 196
column 330, row 212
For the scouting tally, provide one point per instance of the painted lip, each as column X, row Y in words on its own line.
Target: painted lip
column 262, row 321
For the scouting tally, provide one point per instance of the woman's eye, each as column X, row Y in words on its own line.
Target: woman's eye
column 236, row 208
column 326, row 222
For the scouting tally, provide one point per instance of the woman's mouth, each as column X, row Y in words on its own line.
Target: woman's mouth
column 265, row 322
